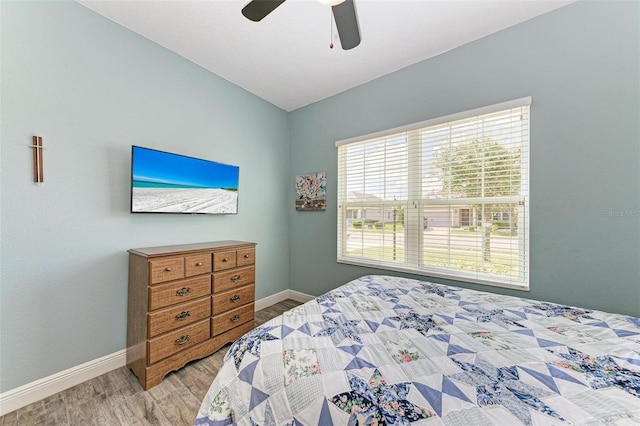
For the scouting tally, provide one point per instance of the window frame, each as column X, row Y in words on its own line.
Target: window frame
column 414, row 241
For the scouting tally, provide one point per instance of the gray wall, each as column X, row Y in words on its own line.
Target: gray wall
column 581, row 66
column 92, row 88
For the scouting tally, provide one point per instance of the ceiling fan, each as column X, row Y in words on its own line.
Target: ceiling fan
column 344, row 13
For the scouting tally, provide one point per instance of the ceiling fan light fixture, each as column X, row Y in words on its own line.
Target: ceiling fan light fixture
column 343, row 11
column 330, row 2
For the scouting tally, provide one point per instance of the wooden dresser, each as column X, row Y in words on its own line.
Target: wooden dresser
column 186, row 302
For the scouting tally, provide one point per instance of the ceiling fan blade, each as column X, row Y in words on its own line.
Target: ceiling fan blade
column 347, row 24
column 256, row 10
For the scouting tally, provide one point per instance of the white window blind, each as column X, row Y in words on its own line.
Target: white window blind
column 446, row 197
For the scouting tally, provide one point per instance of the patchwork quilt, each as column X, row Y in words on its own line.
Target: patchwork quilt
column 384, row 350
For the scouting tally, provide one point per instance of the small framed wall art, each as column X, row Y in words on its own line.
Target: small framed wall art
column 311, row 192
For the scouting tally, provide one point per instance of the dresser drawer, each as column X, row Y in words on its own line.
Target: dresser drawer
column 228, row 320
column 246, row 256
column 232, row 299
column 168, row 344
column 167, row 269
column 197, row 264
column 224, row 260
column 238, row 277
column 180, row 291
column 180, row 315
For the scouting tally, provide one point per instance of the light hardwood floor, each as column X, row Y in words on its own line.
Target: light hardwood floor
column 116, row 398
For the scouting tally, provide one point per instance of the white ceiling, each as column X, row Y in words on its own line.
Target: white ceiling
column 286, row 58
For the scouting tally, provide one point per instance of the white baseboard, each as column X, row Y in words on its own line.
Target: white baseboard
column 265, row 302
column 43, row 388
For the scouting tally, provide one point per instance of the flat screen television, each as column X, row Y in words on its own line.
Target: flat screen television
column 162, row 182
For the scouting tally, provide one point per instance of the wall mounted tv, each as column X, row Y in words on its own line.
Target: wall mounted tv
column 162, row 182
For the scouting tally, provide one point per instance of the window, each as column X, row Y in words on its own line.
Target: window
column 446, row 197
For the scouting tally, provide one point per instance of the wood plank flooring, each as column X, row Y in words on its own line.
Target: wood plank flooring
column 116, row 398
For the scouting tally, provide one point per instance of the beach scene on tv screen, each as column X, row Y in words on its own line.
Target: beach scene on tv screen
column 171, row 183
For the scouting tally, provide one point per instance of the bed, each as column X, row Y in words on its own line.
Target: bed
column 397, row 351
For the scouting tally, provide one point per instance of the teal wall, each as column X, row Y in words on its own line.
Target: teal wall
column 581, row 65
column 92, row 88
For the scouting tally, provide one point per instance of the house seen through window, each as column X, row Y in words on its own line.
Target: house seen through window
column 446, row 197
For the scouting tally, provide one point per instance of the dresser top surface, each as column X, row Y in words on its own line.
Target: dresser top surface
column 189, row 248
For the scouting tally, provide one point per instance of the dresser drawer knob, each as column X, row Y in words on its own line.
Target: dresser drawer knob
column 246, row 256
column 235, row 278
column 182, row 340
column 167, row 269
column 183, row 315
column 235, row 298
column 234, row 318
column 199, row 264
column 183, row 291
column 225, row 260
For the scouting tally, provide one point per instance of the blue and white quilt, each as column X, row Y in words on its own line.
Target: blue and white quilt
column 386, row 350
